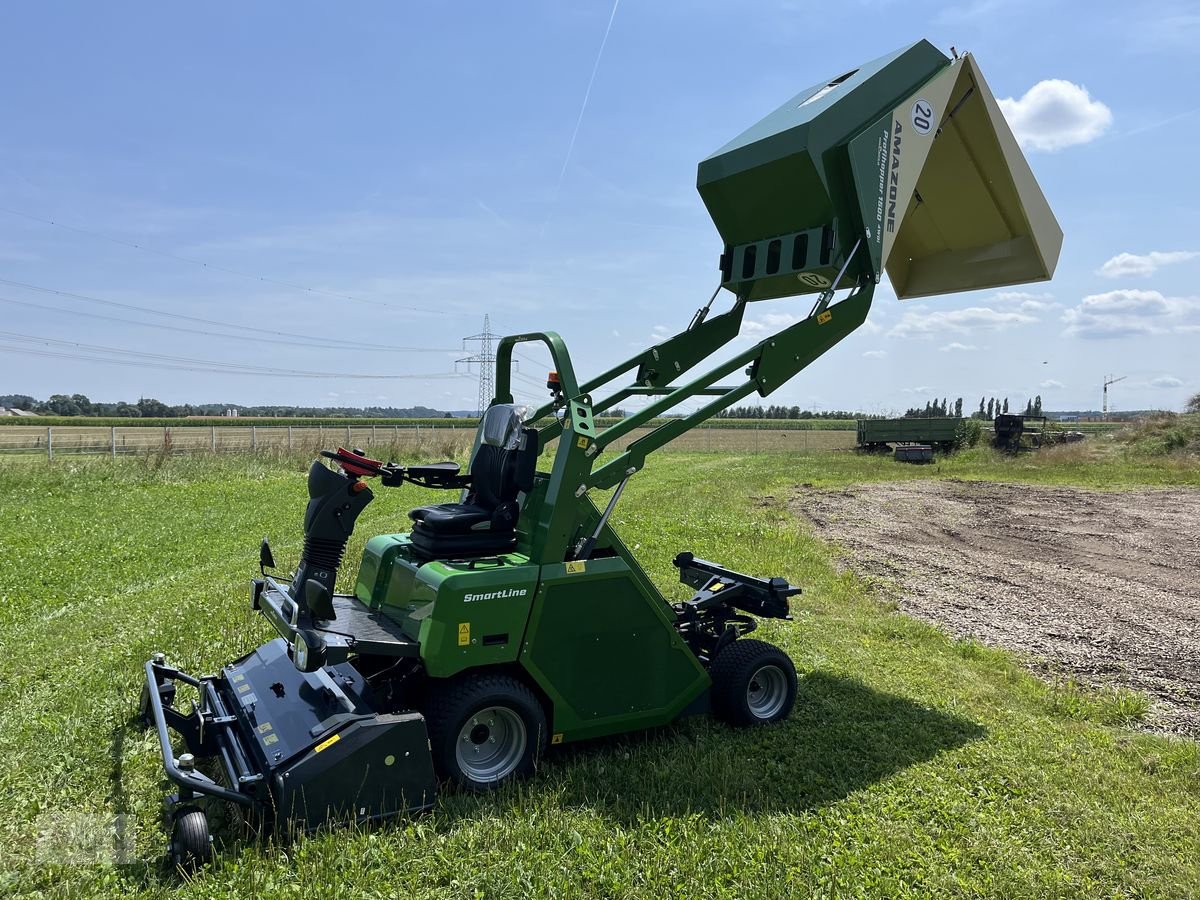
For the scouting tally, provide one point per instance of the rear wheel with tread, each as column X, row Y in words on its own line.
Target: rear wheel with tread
column 754, row 683
column 485, row 730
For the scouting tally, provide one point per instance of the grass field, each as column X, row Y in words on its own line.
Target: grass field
column 913, row 764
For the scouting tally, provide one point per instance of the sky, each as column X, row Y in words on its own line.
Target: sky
column 346, row 190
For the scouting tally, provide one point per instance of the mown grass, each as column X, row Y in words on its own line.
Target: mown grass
column 914, row 764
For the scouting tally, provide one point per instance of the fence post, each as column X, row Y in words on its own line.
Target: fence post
column 254, row 438
column 372, row 435
column 349, row 440
column 114, row 442
column 49, row 444
column 212, row 438
column 289, row 437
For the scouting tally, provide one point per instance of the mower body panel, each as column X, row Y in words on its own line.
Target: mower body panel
column 595, row 637
column 606, row 652
column 464, row 614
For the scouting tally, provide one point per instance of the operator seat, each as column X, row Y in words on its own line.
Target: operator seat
column 485, row 521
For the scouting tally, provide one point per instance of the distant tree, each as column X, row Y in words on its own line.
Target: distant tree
column 1193, row 404
column 958, row 407
column 59, row 405
column 990, row 406
column 18, row 401
column 1029, row 408
column 1006, row 404
column 1037, row 405
column 982, row 414
column 154, row 409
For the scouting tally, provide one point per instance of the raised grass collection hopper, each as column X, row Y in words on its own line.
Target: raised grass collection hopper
column 515, row 617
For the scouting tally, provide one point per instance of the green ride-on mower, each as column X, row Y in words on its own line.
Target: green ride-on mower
column 516, row 618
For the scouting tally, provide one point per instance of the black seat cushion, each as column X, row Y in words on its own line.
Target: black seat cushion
column 453, row 518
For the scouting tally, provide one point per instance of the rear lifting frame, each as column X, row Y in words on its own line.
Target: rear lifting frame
column 709, row 620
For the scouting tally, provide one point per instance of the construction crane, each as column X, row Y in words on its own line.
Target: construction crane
column 1107, row 381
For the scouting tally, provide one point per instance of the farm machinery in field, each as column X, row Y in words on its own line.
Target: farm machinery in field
column 515, row 618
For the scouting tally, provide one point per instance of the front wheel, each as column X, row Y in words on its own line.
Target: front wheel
column 754, row 683
column 191, row 843
column 485, row 730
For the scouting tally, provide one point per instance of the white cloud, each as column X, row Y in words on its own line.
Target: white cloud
column 1050, row 384
column 1024, row 301
column 875, row 354
column 918, row 323
column 1054, row 114
column 768, row 324
column 955, row 345
column 1166, row 381
column 1126, row 313
column 1132, row 265
column 923, row 389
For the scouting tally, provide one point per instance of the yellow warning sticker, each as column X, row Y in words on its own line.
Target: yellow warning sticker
column 824, row 317
column 464, row 634
column 326, row 744
column 242, row 688
column 581, row 443
column 556, row 739
column 264, row 727
column 271, row 739
column 574, row 568
column 237, row 678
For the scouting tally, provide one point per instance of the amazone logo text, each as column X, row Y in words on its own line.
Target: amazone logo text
column 894, row 181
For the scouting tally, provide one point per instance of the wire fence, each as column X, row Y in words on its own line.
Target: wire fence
column 430, row 440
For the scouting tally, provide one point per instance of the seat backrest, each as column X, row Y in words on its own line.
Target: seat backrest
column 502, row 456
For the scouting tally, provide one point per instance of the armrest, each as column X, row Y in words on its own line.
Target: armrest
column 434, row 475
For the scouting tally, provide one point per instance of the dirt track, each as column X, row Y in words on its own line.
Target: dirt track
column 1104, row 586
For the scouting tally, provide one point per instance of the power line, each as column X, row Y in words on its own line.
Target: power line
column 486, row 360
column 235, row 337
column 349, row 345
column 161, row 360
column 216, row 268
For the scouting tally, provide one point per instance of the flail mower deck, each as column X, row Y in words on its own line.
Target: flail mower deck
column 516, row 618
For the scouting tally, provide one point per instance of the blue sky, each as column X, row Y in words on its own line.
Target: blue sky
column 409, row 163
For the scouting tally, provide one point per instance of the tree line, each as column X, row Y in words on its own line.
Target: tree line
column 788, row 412
column 149, row 408
column 989, row 408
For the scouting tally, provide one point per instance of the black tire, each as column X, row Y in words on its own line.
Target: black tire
column 754, row 683
column 191, row 844
column 485, row 730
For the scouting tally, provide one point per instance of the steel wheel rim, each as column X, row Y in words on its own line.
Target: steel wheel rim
column 767, row 691
column 491, row 744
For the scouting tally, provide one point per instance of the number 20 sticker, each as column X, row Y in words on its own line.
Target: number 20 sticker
column 922, row 116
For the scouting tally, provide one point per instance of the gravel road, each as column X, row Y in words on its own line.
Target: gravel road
column 1102, row 586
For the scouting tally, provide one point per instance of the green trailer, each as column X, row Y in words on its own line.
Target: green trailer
column 936, row 431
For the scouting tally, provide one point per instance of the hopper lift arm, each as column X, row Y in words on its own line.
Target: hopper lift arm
column 767, row 365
